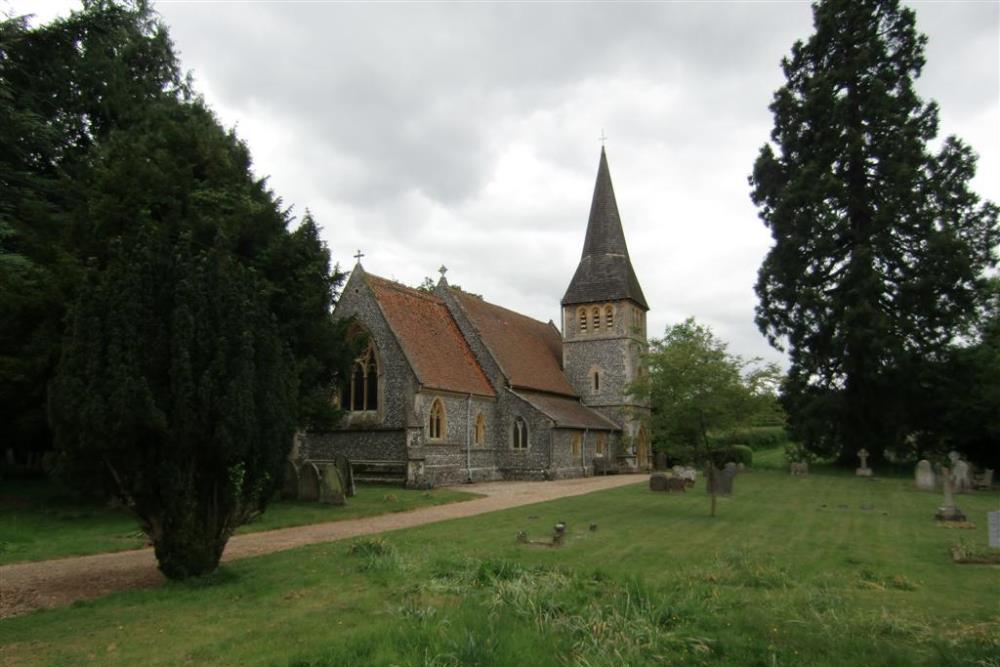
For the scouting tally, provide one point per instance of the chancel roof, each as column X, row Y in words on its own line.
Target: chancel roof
column 438, row 353
column 529, row 352
column 568, row 412
column 605, row 271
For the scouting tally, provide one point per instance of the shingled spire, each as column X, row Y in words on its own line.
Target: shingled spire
column 605, row 272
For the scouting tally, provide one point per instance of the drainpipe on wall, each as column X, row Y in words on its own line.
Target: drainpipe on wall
column 583, row 452
column 468, row 444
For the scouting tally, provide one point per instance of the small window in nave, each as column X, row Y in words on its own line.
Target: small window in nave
column 609, row 317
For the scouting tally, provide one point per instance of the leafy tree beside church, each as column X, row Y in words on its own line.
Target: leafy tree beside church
column 880, row 247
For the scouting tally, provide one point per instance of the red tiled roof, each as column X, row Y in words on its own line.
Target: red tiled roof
column 569, row 412
column 437, row 351
column 528, row 351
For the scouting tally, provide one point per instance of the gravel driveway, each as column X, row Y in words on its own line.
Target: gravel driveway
column 26, row 587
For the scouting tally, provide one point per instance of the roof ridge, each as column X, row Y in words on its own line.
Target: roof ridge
column 499, row 307
column 405, row 289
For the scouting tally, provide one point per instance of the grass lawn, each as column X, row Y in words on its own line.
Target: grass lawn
column 38, row 521
column 825, row 570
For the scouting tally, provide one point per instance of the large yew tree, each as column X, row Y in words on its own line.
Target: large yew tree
column 879, row 243
column 190, row 321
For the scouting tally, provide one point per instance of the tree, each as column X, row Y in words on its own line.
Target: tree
column 64, row 88
column 879, row 245
column 696, row 387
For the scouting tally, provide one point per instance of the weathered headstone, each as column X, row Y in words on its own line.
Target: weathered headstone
column 864, row 470
column 960, row 477
column 984, row 481
column 677, row 484
column 925, row 475
column 346, row 474
column 993, row 520
column 661, row 460
column 688, row 474
column 948, row 511
column 331, row 488
column 723, row 480
column 290, row 489
column 800, row 468
column 309, row 482
column 658, row 482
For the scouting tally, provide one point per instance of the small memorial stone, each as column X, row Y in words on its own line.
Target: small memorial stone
column 309, row 482
column 924, row 476
column 960, row 477
column 290, row 489
column 994, row 528
column 864, row 470
column 658, row 482
column 948, row 511
column 331, row 490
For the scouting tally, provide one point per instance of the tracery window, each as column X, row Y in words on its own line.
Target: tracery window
column 520, row 434
column 436, row 422
column 360, row 392
column 609, row 317
column 480, row 434
column 583, row 320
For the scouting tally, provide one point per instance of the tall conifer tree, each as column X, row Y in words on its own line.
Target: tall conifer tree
column 879, row 244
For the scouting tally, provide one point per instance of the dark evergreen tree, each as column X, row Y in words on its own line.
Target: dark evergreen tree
column 64, row 87
column 880, row 245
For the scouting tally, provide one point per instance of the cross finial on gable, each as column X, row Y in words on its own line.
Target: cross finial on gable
column 443, row 270
column 602, row 138
column 359, row 255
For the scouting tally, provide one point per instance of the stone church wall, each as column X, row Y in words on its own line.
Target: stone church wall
column 448, row 460
column 383, row 445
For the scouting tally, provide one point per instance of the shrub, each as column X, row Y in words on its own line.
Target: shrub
column 761, row 437
column 742, row 454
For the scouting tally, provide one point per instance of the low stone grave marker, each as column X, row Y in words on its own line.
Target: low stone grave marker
column 994, row 528
column 662, row 483
column 960, row 477
column 309, row 482
column 800, row 469
column 346, row 474
column 948, row 512
column 331, row 488
column 924, row 476
column 558, row 533
column 864, row 470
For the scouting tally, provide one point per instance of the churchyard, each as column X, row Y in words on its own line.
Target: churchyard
column 823, row 569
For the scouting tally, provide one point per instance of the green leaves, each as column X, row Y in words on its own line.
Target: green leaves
column 878, row 244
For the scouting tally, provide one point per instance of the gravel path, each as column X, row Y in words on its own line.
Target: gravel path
column 26, row 587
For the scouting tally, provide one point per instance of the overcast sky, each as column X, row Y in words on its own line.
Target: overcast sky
column 468, row 134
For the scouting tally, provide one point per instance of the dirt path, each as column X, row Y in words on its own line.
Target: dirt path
column 26, row 587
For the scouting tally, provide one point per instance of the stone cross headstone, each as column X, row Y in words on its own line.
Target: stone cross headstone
column 290, row 489
column 954, row 456
column 948, row 511
column 864, row 470
column 960, row 477
column 994, row 528
column 925, row 476
column 309, row 482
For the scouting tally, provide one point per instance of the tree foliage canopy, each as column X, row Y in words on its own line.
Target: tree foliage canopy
column 199, row 336
column 879, row 244
column 697, row 386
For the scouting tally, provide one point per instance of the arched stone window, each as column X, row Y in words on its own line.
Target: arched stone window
column 361, row 392
column 602, row 444
column 436, row 424
column 577, row 441
column 583, row 320
column 520, row 434
column 596, row 376
column 480, row 435
column 595, row 318
column 609, row 317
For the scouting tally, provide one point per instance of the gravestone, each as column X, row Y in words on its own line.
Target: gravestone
column 864, row 470
column 800, row 469
column 723, row 480
column 677, row 484
column 960, row 477
column 658, row 482
column 290, row 489
column 948, row 511
column 661, row 460
column 984, row 481
column 925, row 476
column 309, row 482
column 331, row 488
column 346, row 474
column 688, row 474
column 994, row 528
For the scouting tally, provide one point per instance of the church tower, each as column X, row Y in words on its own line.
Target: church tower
column 604, row 325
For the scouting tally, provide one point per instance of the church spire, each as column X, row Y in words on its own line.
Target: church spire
column 605, row 271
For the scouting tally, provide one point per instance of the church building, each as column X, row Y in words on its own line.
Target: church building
column 452, row 388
